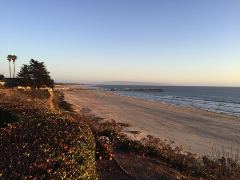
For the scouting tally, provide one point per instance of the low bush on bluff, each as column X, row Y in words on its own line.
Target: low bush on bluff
column 61, row 103
column 45, row 145
column 7, row 117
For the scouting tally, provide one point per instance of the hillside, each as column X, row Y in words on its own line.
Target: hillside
column 40, row 143
column 42, row 137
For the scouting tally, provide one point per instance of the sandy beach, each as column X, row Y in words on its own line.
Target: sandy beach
column 196, row 130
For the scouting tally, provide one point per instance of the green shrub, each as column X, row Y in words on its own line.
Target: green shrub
column 60, row 100
column 45, row 145
column 6, row 117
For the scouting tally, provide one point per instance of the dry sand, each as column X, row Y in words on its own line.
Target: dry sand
column 196, row 130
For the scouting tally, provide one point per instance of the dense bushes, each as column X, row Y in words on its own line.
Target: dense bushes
column 61, row 103
column 1, row 77
column 45, row 145
column 7, row 117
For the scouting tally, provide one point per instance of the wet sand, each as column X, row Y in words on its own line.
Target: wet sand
column 196, row 130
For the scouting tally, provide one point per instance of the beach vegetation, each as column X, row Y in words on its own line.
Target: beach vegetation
column 61, row 102
column 1, row 77
column 36, row 94
column 24, row 76
column 43, row 144
column 6, row 117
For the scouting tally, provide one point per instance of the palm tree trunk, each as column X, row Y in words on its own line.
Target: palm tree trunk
column 10, row 73
column 14, row 69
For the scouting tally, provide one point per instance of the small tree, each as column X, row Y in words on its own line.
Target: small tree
column 39, row 74
column 1, row 77
column 24, row 76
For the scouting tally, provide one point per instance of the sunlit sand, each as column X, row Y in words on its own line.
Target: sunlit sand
column 198, row 131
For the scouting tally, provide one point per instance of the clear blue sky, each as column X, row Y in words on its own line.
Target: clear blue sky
column 189, row 42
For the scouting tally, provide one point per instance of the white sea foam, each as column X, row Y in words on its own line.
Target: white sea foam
column 212, row 103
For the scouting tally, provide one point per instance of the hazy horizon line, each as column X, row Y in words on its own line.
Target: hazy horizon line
column 142, row 83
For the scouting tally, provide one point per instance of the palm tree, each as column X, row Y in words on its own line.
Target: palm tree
column 9, row 58
column 14, row 58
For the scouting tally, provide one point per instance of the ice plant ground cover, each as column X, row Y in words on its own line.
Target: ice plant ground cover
column 44, row 144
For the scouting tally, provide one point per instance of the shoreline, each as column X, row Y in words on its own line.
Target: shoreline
column 157, row 101
column 176, row 105
column 196, row 130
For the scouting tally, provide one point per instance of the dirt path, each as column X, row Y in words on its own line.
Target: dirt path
column 109, row 169
column 196, row 130
column 129, row 166
column 51, row 101
column 139, row 167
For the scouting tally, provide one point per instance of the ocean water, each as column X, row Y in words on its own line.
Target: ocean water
column 217, row 99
